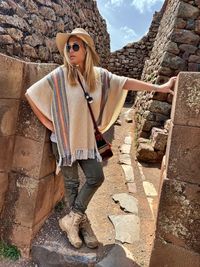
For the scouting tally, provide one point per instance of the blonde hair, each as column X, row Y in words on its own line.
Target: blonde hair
column 88, row 74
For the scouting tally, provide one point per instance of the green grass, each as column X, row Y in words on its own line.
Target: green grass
column 9, row 251
column 59, row 206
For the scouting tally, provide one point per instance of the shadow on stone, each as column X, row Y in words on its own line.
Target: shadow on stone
column 118, row 256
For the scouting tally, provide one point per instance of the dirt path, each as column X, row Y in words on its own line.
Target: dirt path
column 102, row 204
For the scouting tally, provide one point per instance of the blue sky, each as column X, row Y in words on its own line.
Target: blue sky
column 127, row 20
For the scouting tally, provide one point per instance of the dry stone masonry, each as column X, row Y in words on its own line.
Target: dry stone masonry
column 29, row 188
column 177, row 241
column 28, row 28
column 176, row 48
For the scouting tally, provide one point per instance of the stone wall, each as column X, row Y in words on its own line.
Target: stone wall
column 29, row 188
column 177, row 241
column 28, row 28
column 175, row 49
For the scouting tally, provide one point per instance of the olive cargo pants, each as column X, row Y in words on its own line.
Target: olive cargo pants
column 77, row 199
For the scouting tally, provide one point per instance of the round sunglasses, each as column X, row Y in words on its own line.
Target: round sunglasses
column 75, row 47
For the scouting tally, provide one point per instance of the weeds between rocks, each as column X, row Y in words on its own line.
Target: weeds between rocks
column 9, row 251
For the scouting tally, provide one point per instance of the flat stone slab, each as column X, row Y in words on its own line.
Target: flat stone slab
column 128, row 172
column 128, row 140
column 54, row 254
column 127, row 227
column 150, row 201
column 118, row 256
column 128, row 115
column 125, row 159
column 141, row 171
column 149, row 189
column 125, row 149
column 131, row 187
column 127, row 202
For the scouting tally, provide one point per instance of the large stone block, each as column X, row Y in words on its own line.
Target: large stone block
column 48, row 165
column 8, row 116
column 187, row 11
column 3, row 188
column 3, row 183
column 11, row 73
column 169, row 255
column 186, row 104
column 185, row 37
column 44, row 201
column 27, row 157
column 174, row 62
column 6, row 152
column 59, row 189
column 28, row 203
column 27, row 193
column 28, row 125
column 183, row 154
column 178, row 215
column 22, row 236
column 34, row 72
column 146, row 152
column 159, row 107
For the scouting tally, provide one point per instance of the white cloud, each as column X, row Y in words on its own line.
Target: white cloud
column 143, row 5
column 113, row 3
column 121, row 36
column 117, row 2
column 128, row 34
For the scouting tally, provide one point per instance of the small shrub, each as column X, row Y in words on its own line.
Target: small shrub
column 9, row 251
column 59, row 206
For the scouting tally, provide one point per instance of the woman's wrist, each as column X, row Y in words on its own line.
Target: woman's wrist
column 156, row 87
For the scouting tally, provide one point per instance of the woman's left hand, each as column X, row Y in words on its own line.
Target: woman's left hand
column 168, row 86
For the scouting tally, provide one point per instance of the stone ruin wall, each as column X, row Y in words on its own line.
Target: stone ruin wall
column 28, row 28
column 177, row 241
column 176, row 49
column 171, row 46
column 29, row 188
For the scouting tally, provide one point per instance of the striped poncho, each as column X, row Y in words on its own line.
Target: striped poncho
column 63, row 109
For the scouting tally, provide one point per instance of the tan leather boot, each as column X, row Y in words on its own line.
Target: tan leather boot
column 87, row 233
column 70, row 224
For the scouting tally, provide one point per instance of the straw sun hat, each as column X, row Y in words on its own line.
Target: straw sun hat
column 62, row 38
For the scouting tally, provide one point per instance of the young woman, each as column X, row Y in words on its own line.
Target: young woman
column 61, row 105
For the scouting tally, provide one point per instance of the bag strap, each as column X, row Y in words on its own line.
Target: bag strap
column 89, row 106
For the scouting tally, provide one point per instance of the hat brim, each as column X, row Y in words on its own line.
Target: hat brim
column 62, row 38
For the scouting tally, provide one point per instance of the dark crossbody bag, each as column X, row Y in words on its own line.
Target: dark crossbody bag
column 104, row 147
